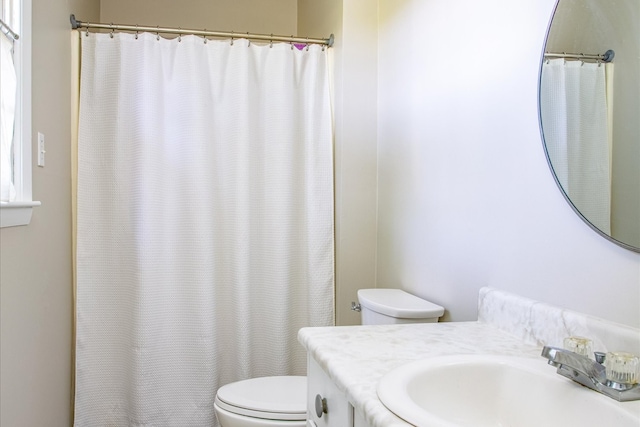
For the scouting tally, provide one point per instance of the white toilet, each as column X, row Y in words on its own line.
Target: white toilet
column 264, row 401
column 282, row 401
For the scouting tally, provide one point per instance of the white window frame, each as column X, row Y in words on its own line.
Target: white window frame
column 19, row 212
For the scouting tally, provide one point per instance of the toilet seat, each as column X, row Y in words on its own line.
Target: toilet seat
column 270, row 398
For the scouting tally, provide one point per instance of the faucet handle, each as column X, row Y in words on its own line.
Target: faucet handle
column 622, row 368
column 579, row 345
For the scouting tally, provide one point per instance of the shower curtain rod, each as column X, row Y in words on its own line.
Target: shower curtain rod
column 75, row 24
column 8, row 31
column 605, row 57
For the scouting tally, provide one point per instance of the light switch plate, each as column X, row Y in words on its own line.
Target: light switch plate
column 41, row 149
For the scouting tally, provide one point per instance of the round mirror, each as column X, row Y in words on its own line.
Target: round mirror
column 589, row 105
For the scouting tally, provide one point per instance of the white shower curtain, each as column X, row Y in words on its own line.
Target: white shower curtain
column 204, row 221
column 574, row 110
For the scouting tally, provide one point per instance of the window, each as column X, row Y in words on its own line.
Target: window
column 16, row 201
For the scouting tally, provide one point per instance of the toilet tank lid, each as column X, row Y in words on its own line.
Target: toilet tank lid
column 398, row 303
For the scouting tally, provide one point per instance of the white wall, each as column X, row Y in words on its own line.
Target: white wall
column 596, row 26
column 466, row 198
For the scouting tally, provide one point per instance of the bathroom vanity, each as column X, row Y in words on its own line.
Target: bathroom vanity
column 345, row 364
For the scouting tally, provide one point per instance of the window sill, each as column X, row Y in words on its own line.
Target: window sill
column 13, row 214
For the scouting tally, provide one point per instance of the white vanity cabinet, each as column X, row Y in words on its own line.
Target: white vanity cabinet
column 358, row 420
column 326, row 405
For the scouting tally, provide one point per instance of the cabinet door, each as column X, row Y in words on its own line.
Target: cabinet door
column 358, row 420
column 324, row 398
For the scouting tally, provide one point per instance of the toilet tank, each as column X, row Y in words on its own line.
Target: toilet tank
column 394, row 306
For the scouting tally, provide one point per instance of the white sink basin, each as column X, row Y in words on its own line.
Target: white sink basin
column 497, row 391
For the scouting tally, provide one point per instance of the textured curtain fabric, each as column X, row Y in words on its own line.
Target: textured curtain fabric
column 573, row 102
column 204, row 223
column 7, row 117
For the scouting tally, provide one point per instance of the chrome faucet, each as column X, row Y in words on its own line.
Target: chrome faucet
column 589, row 373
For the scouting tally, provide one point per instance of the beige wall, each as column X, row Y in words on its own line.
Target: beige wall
column 441, row 182
column 255, row 16
column 35, row 261
column 354, row 23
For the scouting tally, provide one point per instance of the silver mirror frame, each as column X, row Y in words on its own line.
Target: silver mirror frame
column 546, row 152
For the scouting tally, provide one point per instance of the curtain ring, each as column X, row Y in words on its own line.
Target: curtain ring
column 111, row 33
column 158, row 32
column 205, row 36
column 179, row 35
column 86, row 33
column 271, row 41
column 136, row 31
column 231, row 38
column 307, row 44
column 249, row 41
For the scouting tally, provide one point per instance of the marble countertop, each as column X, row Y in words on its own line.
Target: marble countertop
column 356, row 357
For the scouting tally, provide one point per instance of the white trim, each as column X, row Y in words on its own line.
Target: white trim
column 22, row 135
column 18, row 212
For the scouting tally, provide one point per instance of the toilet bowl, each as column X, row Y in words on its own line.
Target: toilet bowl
column 282, row 401
column 263, row 402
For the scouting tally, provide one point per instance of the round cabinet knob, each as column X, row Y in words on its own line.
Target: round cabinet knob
column 321, row 406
